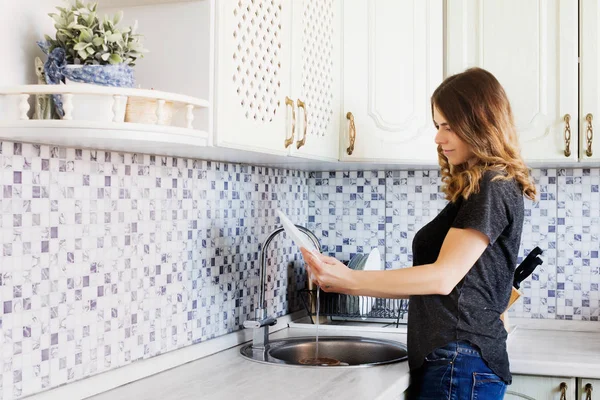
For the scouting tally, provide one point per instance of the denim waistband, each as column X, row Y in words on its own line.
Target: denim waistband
column 463, row 347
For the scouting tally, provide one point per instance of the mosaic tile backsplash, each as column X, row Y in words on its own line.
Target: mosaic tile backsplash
column 108, row 258
column 355, row 211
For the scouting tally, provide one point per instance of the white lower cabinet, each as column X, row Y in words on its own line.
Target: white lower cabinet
column 588, row 389
column 541, row 388
column 531, row 387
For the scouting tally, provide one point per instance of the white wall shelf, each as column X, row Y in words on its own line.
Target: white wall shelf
column 102, row 91
column 126, row 137
column 152, row 138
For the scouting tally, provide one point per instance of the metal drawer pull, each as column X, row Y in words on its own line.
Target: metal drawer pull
column 567, row 119
column 563, row 391
column 588, row 391
column 352, row 132
column 302, row 105
column 589, row 135
column 290, row 140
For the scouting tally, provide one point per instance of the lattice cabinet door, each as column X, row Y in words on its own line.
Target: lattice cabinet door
column 316, row 78
column 392, row 62
column 252, row 75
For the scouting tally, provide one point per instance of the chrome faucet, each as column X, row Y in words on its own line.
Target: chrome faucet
column 261, row 322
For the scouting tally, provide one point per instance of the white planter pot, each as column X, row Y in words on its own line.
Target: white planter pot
column 96, row 107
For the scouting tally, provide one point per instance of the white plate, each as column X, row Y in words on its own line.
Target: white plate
column 374, row 261
column 373, row 264
column 299, row 238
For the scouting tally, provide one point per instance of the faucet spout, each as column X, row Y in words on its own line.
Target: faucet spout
column 261, row 322
column 264, row 255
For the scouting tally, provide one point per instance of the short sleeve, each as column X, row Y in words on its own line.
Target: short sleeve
column 487, row 211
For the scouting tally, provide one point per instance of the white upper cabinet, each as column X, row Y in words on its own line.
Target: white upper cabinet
column 540, row 387
column 316, row 78
column 589, row 88
column 531, row 47
column 252, row 75
column 392, row 62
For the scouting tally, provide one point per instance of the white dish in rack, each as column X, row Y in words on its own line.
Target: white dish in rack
column 373, row 264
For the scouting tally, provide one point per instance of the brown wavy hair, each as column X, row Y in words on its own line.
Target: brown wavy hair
column 478, row 111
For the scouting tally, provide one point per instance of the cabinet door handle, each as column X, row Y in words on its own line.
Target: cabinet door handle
column 589, row 135
column 588, row 391
column 567, row 120
column 352, row 131
column 302, row 105
column 290, row 140
column 563, row 391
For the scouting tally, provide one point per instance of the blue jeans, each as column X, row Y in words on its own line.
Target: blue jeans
column 455, row 372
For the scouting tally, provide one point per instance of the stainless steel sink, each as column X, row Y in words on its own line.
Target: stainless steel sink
column 334, row 351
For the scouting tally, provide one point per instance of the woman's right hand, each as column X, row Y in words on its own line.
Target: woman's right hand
column 329, row 273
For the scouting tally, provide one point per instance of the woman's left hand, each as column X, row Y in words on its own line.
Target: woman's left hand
column 329, row 273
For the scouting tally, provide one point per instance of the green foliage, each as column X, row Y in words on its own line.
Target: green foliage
column 89, row 40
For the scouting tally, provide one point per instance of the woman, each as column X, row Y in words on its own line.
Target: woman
column 466, row 256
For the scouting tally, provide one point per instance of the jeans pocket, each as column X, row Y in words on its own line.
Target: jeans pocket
column 441, row 354
column 487, row 387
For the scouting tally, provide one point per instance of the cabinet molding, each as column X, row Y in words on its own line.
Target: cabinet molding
column 392, row 63
column 533, row 53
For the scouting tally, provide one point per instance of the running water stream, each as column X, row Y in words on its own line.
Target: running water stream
column 317, row 360
column 317, row 334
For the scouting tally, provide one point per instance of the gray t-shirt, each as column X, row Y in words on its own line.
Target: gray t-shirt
column 472, row 310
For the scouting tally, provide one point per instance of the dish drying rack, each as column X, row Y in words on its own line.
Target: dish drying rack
column 335, row 305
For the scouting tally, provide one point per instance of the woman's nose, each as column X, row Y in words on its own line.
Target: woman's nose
column 440, row 137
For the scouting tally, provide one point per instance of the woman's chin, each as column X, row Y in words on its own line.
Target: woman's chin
column 457, row 164
column 454, row 161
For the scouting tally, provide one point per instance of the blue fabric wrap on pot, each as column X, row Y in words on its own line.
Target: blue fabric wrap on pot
column 115, row 75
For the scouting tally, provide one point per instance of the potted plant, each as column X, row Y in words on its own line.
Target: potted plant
column 89, row 50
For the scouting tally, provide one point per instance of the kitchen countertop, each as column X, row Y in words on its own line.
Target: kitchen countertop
column 227, row 375
column 555, row 353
